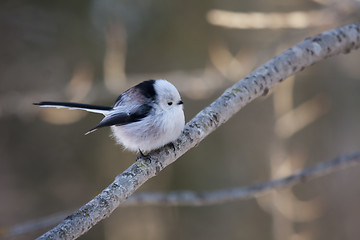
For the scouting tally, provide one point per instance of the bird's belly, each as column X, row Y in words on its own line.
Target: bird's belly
column 147, row 134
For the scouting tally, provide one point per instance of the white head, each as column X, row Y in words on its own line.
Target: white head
column 168, row 96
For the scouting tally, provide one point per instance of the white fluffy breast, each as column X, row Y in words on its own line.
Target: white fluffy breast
column 152, row 132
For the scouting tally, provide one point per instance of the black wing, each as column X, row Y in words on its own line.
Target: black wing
column 121, row 118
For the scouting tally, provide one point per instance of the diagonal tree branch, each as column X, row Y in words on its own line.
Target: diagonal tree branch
column 304, row 54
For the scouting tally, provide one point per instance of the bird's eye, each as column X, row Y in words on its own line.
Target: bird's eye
column 170, row 103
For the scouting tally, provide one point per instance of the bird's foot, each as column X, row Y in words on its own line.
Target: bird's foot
column 143, row 156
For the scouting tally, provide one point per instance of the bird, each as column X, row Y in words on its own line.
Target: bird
column 145, row 117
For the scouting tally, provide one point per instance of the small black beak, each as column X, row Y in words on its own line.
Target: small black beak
column 180, row 102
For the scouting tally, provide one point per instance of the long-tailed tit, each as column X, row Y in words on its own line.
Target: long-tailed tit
column 145, row 117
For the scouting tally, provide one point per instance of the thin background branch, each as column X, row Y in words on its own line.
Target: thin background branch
column 306, row 53
column 191, row 198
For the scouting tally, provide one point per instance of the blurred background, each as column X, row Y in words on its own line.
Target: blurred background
column 91, row 51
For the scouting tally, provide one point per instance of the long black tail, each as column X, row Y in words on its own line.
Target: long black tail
column 87, row 107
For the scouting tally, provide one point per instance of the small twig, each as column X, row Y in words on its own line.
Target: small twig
column 33, row 225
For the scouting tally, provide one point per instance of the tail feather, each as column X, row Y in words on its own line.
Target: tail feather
column 87, row 107
column 91, row 130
